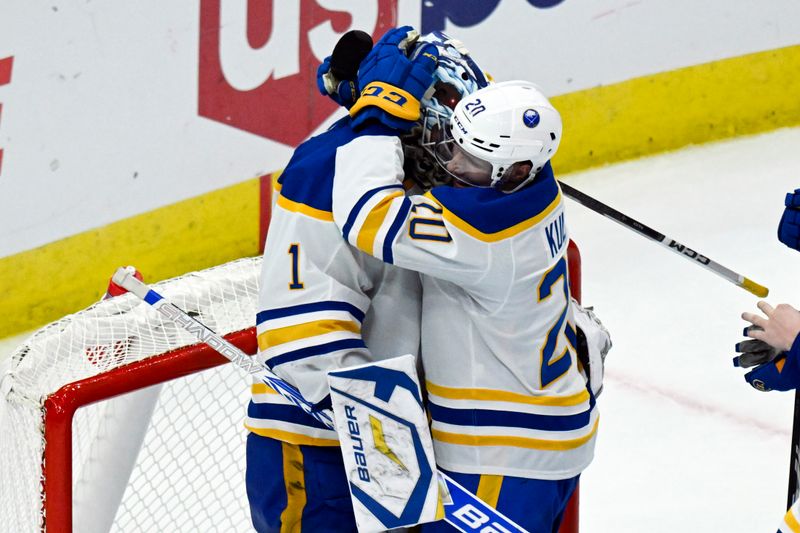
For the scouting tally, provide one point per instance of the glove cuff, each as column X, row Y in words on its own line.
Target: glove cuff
column 794, row 351
column 393, row 100
column 792, row 199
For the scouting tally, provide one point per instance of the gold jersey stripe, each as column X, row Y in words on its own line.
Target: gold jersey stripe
column 516, row 442
column 297, row 207
column 492, row 395
column 261, row 388
column 277, row 336
column 292, row 438
column 467, row 228
column 373, row 222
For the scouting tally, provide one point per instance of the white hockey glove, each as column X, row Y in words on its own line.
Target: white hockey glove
column 594, row 342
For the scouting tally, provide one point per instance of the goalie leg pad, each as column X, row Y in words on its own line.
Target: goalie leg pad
column 386, row 444
column 300, row 488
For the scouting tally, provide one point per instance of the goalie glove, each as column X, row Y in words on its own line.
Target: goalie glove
column 593, row 345
column 392, row 83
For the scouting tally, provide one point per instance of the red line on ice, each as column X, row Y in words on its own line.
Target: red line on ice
column 693, row 404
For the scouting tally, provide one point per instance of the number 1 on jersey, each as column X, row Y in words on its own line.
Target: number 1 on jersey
column 294, row 251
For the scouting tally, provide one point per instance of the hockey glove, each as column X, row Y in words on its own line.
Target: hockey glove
column 789, row 226
column 782, row 373
column 343, row 92
column 392, row 83
column 754, row 352
column 594, row 342
column 337, row 76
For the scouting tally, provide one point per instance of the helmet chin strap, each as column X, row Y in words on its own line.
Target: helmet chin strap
column 507, row 178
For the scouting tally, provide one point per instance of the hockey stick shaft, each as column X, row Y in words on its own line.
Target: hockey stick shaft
column 466, row 512
column 124, row 278
column 666, row 242
column 794, row 456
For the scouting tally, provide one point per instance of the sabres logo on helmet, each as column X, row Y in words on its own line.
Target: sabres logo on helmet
column 531, row 118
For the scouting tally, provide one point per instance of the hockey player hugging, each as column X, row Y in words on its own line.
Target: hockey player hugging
column 426, row 222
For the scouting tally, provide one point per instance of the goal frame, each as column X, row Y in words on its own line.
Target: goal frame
column 61, row 406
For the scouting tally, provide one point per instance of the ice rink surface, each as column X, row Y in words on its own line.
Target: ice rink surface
column 684, row 444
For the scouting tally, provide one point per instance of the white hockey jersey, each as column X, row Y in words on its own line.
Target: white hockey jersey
column 498, row 337
column 322, row 304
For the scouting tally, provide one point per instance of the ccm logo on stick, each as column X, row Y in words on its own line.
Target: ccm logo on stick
column 689, row 252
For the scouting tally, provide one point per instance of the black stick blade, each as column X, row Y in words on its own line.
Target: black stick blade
column 348, row 54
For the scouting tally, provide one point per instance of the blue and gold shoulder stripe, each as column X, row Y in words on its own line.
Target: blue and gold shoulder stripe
column 490, row 215
column 306, row 184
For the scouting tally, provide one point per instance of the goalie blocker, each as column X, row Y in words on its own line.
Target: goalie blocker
column 386, row 444
column 388, row 453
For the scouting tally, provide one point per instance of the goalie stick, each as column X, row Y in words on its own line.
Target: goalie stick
column 794, row 454
column 667, row 242
column 462, row 509
column 124, row 277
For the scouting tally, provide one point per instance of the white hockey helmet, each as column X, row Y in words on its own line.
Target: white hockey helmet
column 495, row 127
column 456, row 76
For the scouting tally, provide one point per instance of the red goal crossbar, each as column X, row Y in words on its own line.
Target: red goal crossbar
column 60, row 408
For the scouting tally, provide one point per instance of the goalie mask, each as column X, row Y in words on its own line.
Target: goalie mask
column 496, row 127
column 455, row 77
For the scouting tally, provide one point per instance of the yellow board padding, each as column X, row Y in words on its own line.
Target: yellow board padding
column 44, row 284
column 666, row 111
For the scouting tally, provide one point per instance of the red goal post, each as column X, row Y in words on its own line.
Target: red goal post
column 60, row 408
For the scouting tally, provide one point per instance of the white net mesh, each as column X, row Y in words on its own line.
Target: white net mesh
column 189, row 475
column 190, row 472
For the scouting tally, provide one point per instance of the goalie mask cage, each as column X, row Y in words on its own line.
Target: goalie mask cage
column 114, row 419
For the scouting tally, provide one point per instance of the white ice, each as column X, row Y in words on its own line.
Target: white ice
column 684, row 444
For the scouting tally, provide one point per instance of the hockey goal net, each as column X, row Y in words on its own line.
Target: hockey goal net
column 113, row 419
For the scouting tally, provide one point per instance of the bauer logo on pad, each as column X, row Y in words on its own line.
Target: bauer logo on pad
column 386, row 444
